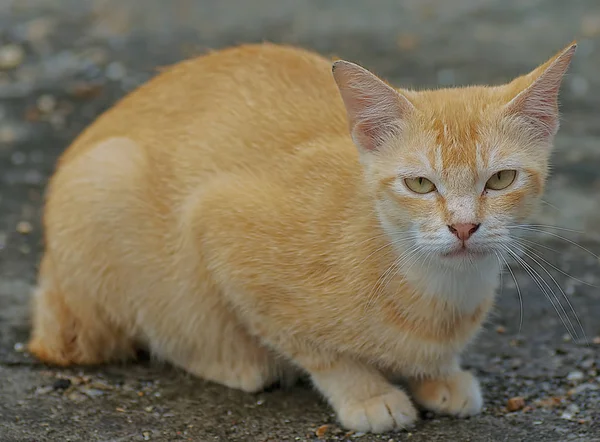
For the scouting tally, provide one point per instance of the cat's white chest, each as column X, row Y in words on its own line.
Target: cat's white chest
column 465, row 288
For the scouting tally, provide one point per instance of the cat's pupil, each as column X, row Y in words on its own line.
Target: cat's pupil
column 420, row 181
column 499, row 175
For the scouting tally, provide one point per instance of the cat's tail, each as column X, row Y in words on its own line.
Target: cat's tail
column 66, row 333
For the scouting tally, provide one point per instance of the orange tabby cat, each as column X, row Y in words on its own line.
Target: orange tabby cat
column 225, row 217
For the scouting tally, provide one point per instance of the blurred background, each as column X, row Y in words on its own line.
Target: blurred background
column 62, row 62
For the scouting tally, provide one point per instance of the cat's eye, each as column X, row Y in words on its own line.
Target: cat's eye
column 419, row 185
column 501, row 180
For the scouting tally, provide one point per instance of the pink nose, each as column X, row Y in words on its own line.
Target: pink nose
column 463, row 231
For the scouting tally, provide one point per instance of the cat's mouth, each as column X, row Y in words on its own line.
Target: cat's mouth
column 464, row 252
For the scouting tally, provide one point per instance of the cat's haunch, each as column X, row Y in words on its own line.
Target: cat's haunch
column 253, row 214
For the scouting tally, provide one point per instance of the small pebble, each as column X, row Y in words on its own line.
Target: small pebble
column 515, row 404
column 146, row 435
column 583, row 387
column 43, row 390
column 588, row 363
column 570, row 412
column 77, row 397
column 500, row 330
column 46, row 103
column 19, row 347
column 575, row 376
column 92, row 392
column 596, row 340
column 321, row 431
column 549, row 402
column 61, row 384
column 24, row 227
column 11, row 56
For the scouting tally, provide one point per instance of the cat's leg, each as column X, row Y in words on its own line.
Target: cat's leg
column 66, row 334
column 456, row 394
column 362, row 397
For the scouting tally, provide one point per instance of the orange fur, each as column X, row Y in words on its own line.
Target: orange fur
column 222, row 216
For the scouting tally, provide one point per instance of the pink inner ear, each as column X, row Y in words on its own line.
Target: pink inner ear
column 374, row 109
column 538, row 103
column 372, row 133
column 540, row 108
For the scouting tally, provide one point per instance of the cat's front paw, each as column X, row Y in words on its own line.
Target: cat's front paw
column 378, row 414
column 459, row 395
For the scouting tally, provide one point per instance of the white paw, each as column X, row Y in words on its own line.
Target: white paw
column 458, row 395
column 378, row 414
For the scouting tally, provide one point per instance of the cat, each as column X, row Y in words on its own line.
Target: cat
column 261, row 212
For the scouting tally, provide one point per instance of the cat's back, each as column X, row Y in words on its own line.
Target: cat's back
column 240, row 105
column 230, row 117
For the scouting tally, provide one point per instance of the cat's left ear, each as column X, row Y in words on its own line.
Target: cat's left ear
column 375, row 110
column 537, row 103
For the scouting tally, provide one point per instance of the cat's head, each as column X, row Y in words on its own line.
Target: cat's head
column 452, row 170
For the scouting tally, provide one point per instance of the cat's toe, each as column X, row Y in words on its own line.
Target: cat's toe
column 392, row 410
column 458, row 395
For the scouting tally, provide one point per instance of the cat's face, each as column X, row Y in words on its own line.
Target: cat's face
column 458, row 176
column 453, row 170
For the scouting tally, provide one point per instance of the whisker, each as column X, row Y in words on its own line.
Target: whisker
column 551, row 205
column 388, row 244
column 537, row 244
column 548, row 226
column 393, row 271
column 563, row 293
column 376, row 287
column 518, row 289
column 560, row 237
column 548, row 292
column 560, row 270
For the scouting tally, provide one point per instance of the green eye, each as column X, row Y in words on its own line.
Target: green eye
column 501, row 180
column 419, row 185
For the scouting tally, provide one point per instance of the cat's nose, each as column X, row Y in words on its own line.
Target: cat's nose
column 463, row 231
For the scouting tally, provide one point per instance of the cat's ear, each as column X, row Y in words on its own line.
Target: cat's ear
column 375, row 110
column 537, row 102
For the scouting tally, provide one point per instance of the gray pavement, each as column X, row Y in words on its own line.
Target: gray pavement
column 62, row 62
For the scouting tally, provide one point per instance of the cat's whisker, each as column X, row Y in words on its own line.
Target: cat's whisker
column 548, row 226
column 529, row 228
column 548, row 292
column 416, row 255
column 391, row 270
column 551, row 205
column 536, row 244
column 372, row 238
column 396, row 242
column 558, row 269
column 499, row 255
column 562, row 292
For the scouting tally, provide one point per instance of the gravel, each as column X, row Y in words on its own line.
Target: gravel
column 62, row 62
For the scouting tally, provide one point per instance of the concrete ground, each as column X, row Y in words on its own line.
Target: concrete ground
column 64, row 61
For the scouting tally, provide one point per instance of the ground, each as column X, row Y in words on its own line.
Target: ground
column 62, row 62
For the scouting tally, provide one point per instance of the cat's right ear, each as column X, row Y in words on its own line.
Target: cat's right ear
column 375, row 110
